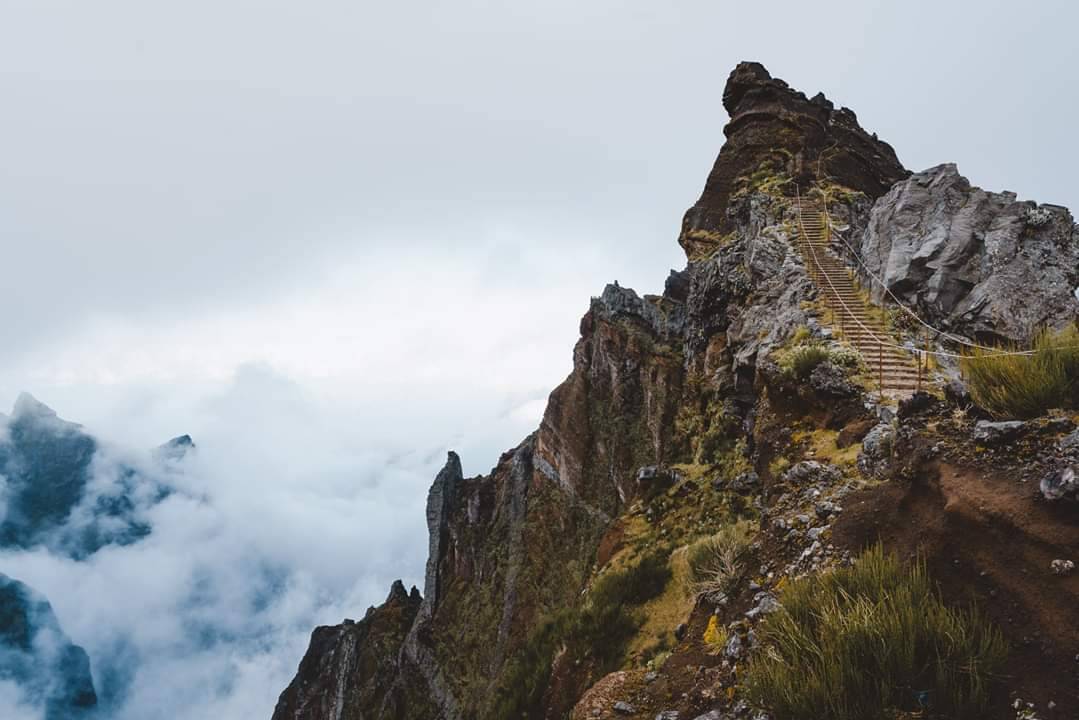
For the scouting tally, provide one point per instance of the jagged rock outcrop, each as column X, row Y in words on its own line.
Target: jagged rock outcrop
column 353, row 669
column 51, row 673
column 777, row 132
column 970, row 261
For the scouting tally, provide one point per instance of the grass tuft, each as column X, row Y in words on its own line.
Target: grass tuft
column 863, row 642
column 716, row 563
column 600, row 629
column 1026, row 386
column 802, row 358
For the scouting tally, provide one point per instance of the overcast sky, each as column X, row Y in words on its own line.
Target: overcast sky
column 333, row 239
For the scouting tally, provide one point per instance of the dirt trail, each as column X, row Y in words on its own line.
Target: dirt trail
column 989, row 538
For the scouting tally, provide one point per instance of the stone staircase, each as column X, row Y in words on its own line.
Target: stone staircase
column 849, row 315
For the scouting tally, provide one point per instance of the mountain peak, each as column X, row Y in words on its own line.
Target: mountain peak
column 175, row 449
column 777, row 136
column 26, row 405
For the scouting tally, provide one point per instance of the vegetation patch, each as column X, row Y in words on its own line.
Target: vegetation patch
column 598, row 629
column 863, row 642
column 1026, row 386
column 800, row 359
column 717, row 563
column 820, row 444
column 661, row 614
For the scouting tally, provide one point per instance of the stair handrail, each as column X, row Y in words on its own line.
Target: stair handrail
column 816, row 261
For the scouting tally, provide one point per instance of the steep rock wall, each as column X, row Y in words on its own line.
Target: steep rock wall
column 980, row 263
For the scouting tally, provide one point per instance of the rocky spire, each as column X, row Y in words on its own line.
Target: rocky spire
column 776, row 131
column 439, row 504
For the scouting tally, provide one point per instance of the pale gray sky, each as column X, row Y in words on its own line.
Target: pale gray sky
column 333, row 239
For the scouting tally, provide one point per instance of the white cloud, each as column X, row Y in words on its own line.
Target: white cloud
column 13, row 704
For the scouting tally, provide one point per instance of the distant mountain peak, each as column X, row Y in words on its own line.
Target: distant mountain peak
column 26, row 405
column 175, row 449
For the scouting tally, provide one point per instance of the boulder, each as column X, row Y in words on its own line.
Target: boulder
column 744, row 482
column 733, row 649
column 990, row 433
column 766, row 604
column 624, row 708
column 917, row 403
column 1059, row 484
column 976, row 263
column 1070, row 443
column 652, row 479
column 876, row 454
column 810, row 472
column 830, row 380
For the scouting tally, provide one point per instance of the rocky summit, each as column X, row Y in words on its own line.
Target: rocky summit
column 718, row 449
column 62, row 492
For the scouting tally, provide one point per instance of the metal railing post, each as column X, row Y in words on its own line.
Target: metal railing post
column 880, row 365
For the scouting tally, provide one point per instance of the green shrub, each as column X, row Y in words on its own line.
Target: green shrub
column 862, row 642
column 634, row 585
column 802, row 358
column 599, row 628
column 1026, row 386
column 716, row 562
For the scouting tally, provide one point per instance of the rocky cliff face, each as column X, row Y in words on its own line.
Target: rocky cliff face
column 51, row 672
column 966, row 259
column 674, row 420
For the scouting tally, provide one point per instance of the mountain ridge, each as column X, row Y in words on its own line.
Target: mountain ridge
column 678, row 419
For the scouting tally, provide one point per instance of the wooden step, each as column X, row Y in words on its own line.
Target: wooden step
column 848, row 314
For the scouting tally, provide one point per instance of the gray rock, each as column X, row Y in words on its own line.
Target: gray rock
column 668, row 715
column 1062, row 567
column 1070, row 442
column 974, row 262
column 917, row 403
column 440, row 502
column 651, row 676
column 744, row 481
column 712, row 715
column 766, row 604
column 826, row 508
column 810, row 552
column 831, row 381
column 617, row 301
column 1059, row 484
column 955, row 392
column 733, row 649
column 680, row 631
column 624, row 708
column 987, row 432
column 876, row 454
column 810, row 472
